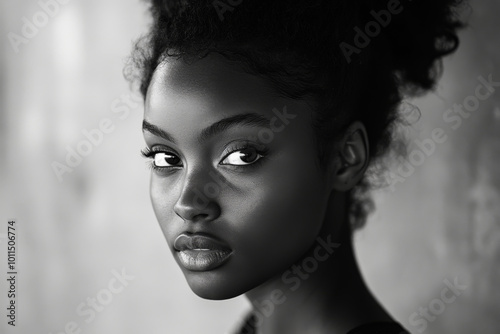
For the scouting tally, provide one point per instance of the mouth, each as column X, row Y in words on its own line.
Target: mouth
column 201, row 252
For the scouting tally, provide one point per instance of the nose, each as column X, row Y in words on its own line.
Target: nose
column 198, row 198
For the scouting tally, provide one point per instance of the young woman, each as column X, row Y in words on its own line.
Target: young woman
column 264, row 122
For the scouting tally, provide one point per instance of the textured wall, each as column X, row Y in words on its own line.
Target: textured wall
column 443, row 220
column 439, row 225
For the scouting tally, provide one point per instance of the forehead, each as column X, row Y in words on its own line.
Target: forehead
column 212, row 81
column 185, row 98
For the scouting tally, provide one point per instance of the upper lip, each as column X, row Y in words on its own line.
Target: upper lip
column 198, row 241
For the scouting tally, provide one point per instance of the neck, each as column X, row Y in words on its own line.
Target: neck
column 323, row 292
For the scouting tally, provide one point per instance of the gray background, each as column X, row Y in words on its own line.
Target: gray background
column 441, row 223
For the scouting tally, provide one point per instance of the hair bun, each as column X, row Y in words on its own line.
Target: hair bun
column 420, row 35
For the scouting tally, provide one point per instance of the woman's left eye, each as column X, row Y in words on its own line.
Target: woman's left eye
column 241, row 157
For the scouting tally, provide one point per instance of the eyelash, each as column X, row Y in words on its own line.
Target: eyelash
column 263, row 151
column 150, row 153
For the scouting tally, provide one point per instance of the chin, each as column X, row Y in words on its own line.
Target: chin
column 209, row 285
column 215, row 286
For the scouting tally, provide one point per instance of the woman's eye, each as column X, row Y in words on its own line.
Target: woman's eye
column 242, row 157
column 163, row 159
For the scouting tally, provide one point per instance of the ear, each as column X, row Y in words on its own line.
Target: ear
column 351, row 158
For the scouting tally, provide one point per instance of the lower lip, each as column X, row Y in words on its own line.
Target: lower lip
column 203, row 260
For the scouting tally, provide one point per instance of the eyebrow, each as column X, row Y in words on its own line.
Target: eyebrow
column 248, row 119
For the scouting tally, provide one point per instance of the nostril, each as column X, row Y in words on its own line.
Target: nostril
column 192, row 203
column 200, row 217
column 197, row 211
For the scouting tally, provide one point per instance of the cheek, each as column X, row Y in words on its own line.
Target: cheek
column 162, row 194
column 280, row 217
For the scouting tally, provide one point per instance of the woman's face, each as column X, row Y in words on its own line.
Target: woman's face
column 235, row 185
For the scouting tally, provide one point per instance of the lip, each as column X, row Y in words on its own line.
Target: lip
column 201, row 252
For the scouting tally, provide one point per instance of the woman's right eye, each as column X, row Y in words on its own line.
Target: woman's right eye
column 161, row 159
column 164, row 159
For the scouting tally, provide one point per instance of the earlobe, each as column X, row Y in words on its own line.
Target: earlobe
column 352, row 158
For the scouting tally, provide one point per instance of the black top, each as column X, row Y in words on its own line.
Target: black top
column 372, row 328
column 379, row 328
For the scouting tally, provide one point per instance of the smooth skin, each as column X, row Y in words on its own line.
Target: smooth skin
column 253, row 181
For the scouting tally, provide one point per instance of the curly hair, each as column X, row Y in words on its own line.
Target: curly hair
column 356, row 59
